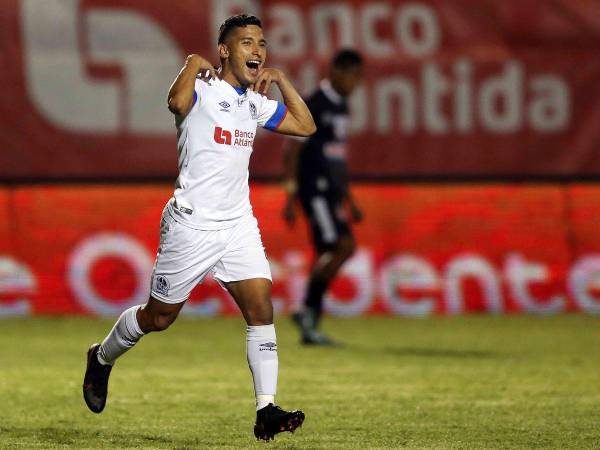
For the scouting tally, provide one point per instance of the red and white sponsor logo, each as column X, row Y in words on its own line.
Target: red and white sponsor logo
column 238, row 138
column 222, row 136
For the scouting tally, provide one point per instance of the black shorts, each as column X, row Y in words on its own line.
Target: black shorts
column 327, row 219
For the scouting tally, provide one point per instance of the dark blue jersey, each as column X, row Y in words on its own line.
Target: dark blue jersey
column 322, row 165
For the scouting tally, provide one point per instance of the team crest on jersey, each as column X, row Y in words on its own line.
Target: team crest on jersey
column 253, row 111
column 162, row 285
column 224, row 106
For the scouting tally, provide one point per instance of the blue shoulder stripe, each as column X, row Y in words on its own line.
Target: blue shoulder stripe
column 277, row 117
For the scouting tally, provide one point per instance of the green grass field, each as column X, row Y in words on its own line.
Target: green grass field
column 469, row 382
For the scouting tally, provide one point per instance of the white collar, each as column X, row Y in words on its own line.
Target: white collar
column 330, row 92
column 231, row 89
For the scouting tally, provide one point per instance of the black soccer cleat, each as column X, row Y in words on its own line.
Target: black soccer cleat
column 307, row 323
column 313, row 337
column 95, row 381
column 271, row 420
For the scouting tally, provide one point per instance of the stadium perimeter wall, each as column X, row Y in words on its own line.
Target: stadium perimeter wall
column 422, row 250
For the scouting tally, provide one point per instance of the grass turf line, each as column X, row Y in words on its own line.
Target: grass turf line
column 475, row 382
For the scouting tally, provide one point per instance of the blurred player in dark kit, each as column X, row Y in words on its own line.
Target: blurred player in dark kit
column 317, row 175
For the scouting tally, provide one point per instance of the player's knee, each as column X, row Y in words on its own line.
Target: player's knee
column 259, row 313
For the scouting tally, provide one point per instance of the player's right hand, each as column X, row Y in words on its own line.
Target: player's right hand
column 204, row 68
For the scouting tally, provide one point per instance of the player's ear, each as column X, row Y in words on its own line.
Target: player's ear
column 223, row 51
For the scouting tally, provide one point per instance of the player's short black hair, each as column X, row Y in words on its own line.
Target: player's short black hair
column 346, row 58
column 241, row 20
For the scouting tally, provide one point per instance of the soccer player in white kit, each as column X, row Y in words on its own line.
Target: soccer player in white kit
column 208, row 224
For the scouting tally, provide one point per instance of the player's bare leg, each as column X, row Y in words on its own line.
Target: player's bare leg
column 133, row 323
column 325, row 268
column 253, row 297
column 157, row 316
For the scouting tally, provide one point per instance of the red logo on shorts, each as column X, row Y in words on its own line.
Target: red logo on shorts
column 222, row 136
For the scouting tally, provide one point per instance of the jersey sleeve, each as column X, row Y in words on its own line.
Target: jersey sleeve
column 199, row 90
column 199, row 87
column 271, row 113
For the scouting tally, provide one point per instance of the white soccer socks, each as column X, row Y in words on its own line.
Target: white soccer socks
column 261, row 350
column 122, row 337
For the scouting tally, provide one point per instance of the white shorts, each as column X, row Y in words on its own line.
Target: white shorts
column 186, row 255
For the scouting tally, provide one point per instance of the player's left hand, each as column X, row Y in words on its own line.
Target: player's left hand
column 289, row 212
column 266, row 76
column 356, row 212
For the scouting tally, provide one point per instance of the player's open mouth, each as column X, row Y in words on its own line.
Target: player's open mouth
column 253, row 65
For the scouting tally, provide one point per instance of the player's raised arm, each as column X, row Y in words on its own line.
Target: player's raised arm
column 298, row 121
column 181, row 93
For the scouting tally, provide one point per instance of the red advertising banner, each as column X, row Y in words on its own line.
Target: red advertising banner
column 452, row 88
column 422, row 250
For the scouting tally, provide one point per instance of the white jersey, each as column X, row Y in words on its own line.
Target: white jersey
column 214, row 142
